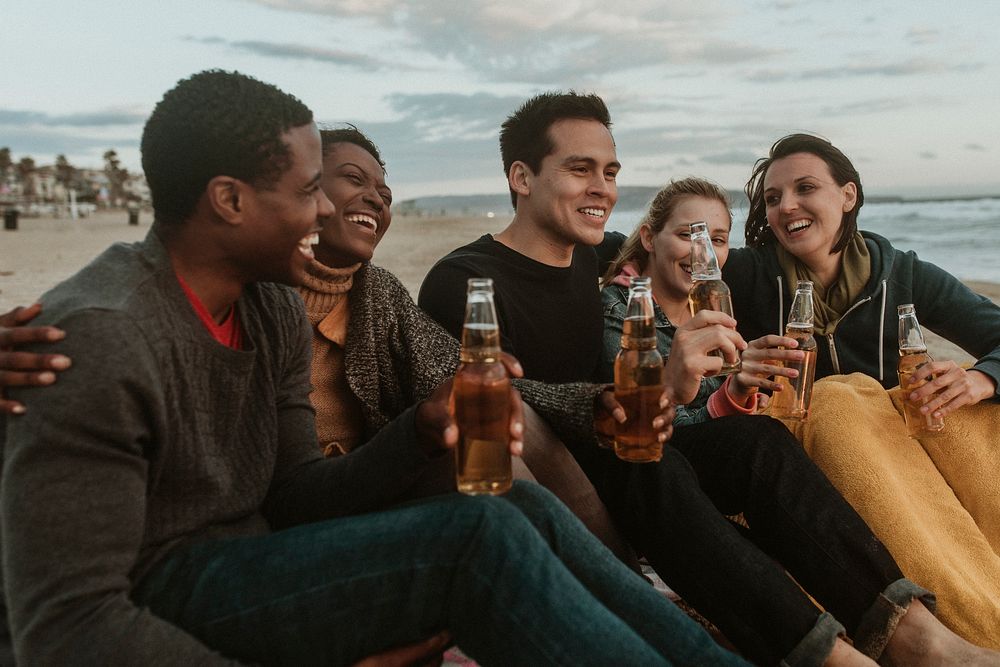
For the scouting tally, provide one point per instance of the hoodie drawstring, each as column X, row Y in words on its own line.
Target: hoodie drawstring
column 881, row 336
column 781, row 308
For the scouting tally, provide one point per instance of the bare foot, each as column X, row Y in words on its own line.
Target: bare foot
column 921, row 639
column 845, row 655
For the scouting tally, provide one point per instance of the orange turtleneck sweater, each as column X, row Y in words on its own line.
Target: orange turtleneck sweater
column 339, row 425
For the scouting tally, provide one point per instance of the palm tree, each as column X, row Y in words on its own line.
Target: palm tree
column 6, row 163
column 26, row 175
column 116, row 175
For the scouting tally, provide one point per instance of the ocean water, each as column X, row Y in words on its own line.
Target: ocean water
column 960, row 236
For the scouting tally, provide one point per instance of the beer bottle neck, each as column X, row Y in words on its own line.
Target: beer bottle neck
column 638, row 333
column 480, row 343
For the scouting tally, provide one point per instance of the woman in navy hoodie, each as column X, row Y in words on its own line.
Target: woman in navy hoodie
column 934, row 501
column 803, row 225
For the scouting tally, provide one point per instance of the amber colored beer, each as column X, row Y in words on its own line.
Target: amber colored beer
column 635, row 440
column 713, row 295
column 917, row 423
column 481, row 406
column 638, row 387
column 792, row 402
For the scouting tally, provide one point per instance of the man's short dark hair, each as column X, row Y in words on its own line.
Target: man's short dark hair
column 524, row 136
column 216, row 123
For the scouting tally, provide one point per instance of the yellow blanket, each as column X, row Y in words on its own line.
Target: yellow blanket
column 934, row 502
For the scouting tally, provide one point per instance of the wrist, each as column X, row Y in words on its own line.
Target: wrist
column 984, row 386
column 721, row 403
column 740, row 394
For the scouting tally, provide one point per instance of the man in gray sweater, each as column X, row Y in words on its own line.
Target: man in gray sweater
column 166, row 501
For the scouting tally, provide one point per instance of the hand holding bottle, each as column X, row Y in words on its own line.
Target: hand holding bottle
column 951, row 386
column 913, row 369
column 708, row 290
column 436, row 428
column 765, row 358
column 694, row 353
column 795, row 395
column 608, row 412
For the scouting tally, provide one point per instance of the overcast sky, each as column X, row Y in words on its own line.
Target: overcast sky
column 909, row 89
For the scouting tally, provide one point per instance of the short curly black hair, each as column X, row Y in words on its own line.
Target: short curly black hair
column 216, row 123
column 349, row 134
column 524, row 136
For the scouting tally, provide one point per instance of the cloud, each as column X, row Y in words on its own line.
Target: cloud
column 738, row 158
column 444, row 133
column 362, row 8
column 974, row 147
column 911, row 67
column 104, row 118
column 82, row 136
column 338, row 57
column 927, row 155
column 42, row 142
column 467, row 123
column 440, row 115
column 923, row 35
column 449, row 134
column 538, row 42
column 877, row 105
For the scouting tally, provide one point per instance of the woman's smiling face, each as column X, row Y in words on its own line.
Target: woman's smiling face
column 669, row 263
column 355, row 182
column 805, row 206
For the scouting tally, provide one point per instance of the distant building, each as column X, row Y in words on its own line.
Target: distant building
column 40, row 190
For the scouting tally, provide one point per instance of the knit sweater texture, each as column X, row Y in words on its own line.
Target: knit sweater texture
column 156, row 438
column 396, row 355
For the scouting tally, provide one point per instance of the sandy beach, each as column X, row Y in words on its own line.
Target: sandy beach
column 44, row 251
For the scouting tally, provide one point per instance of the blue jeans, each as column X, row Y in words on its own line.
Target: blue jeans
column 517, row 580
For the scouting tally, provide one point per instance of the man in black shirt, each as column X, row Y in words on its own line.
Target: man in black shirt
column 543, row 264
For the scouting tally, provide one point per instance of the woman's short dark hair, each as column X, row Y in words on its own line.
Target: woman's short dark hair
column 757, row 230
column 349, row 134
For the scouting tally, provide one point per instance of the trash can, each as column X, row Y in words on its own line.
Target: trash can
column 10, row 218
column 133, row 217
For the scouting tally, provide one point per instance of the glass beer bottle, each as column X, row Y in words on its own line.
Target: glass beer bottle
column 480, row 399
column 912, row 355
column 792, row 402
column 639, row 378
column 708, row 292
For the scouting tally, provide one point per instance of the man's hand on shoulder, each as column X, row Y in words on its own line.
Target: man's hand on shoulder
column 22, row 369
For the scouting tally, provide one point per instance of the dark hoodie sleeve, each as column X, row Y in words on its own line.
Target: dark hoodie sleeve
column 950, row 309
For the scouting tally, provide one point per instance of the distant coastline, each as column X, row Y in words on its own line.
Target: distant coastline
column 44, row 251
column 630, row 198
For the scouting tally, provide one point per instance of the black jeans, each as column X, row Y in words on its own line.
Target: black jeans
column 672, row 513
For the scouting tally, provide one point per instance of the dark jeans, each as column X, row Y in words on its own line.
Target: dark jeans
column 672, row 512
column 517, row 580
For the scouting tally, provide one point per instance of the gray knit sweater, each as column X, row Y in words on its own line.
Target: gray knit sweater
column 159, row 437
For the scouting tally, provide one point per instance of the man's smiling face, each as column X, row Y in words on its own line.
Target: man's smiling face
column 571, row 196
